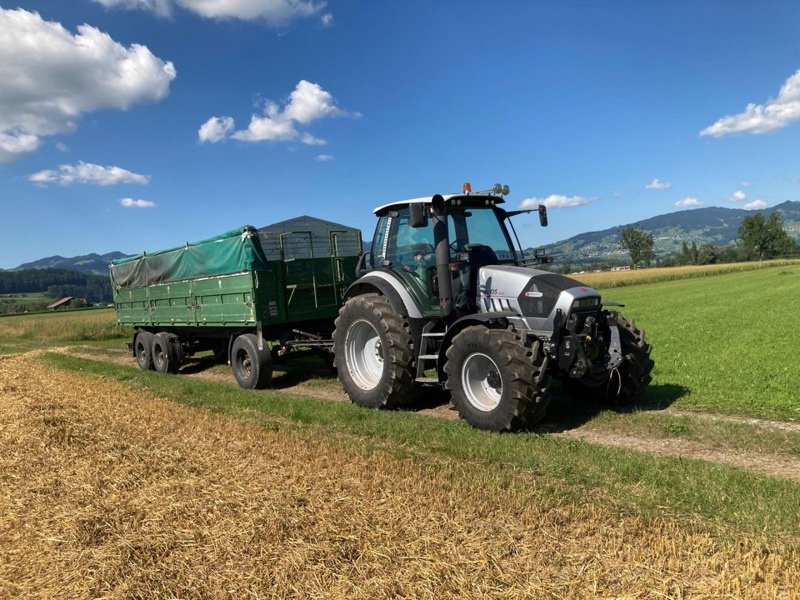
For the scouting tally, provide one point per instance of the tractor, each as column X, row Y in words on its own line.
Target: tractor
column 446, row 298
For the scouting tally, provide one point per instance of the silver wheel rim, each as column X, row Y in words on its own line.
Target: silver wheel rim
column 364, row 354
column 481, row 381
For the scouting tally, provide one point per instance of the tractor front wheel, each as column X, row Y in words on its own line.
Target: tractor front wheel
column 496, row 380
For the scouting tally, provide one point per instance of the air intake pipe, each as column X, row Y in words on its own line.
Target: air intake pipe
column 442, row 243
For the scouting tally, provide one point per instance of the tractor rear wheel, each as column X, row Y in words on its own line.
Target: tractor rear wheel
column 143, row 349
column 251, row 366
column 374, row 355
column 628, row 382
column 497, row 382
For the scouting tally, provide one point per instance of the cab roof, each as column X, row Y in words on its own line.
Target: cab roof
column 478, row 199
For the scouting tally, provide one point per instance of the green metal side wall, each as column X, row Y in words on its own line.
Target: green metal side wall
column 289, row 291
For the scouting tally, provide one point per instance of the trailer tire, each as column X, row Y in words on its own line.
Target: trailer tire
column 373, row 353
column 497, row 381
column 165, row 352
column 143, row 350
column 251, row 367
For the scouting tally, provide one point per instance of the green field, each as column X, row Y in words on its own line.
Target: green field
column 725, row 343
column 689, row 454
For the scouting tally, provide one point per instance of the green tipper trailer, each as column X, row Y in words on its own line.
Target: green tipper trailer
column 250, row 295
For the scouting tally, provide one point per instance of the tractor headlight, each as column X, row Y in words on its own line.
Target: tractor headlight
column 584, row 303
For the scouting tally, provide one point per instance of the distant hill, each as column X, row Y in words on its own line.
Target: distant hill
column 91, row 264
column 713, row 225
column 56, row 283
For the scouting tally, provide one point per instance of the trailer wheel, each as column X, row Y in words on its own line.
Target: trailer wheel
column 166, row 358
column 251, row 367
column 497, row 382
column 143, row 350
column 374, row 355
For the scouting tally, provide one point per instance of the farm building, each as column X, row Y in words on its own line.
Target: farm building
column 59, row 304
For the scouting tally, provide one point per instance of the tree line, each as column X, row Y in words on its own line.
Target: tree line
column 57, row 283
column 759, row 238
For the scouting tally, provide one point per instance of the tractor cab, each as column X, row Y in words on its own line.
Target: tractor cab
column 476, row 235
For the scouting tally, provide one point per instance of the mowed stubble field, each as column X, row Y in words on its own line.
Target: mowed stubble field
column 120, row 483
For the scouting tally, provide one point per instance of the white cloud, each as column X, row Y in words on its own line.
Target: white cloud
column 87, row 173
column 49, row 78
column 215, row 129
column 162, row 8
column 688, row 203
column 134, row 203
column 755, row 205
column 14, row 143
column 554, row 201
column 657, row 184
column 747, row 183
column 762, row 118
column 308, row 102
column 327, row 19
column 275, row 12
column 324, row 157
column 737, row 196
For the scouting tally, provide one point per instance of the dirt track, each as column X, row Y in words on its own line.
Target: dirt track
column 107, row 491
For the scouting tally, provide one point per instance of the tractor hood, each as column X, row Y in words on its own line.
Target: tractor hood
column 533, row 294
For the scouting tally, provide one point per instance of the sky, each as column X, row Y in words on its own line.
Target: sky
column 141, row 124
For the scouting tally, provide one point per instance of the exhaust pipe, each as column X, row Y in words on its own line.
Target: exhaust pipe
column 442, row 243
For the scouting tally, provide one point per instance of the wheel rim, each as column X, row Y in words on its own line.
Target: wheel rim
column 364, row 354
column 244, row 363
column 141, row 352
column 158, row 355
column 481, row 381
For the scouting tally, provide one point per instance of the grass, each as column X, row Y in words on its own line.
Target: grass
column 615, row 279
column 725, row 343
column 88, row 325
column 723, row 495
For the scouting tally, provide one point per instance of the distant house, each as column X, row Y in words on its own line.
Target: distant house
column 63, row 303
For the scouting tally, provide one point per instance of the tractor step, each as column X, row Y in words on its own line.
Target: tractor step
column 428, row 357
column 426, row 380
column 434, row 334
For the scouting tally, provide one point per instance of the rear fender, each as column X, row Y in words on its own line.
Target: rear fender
column 389, row 286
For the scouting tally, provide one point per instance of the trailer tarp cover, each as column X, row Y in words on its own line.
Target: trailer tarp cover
column 234, row 251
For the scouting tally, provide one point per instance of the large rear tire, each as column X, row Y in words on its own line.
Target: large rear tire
column 628, row 383
column 374, row 355
column 143, row 350
column 497, row 382
column 251, row 367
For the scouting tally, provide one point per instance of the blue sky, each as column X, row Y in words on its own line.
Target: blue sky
column 576, row 103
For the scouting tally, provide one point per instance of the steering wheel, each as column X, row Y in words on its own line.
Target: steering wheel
column 458, row 245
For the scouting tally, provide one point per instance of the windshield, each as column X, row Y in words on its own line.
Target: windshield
column 479, row 226
column 395, row 240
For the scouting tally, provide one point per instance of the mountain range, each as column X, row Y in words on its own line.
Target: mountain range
column 713, row 225
column 91, row 264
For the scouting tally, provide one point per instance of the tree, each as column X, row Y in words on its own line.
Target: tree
column 639, row 244
column 763, row 239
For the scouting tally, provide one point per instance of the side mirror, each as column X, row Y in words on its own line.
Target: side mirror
column 417, row 215
column 542, row 215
